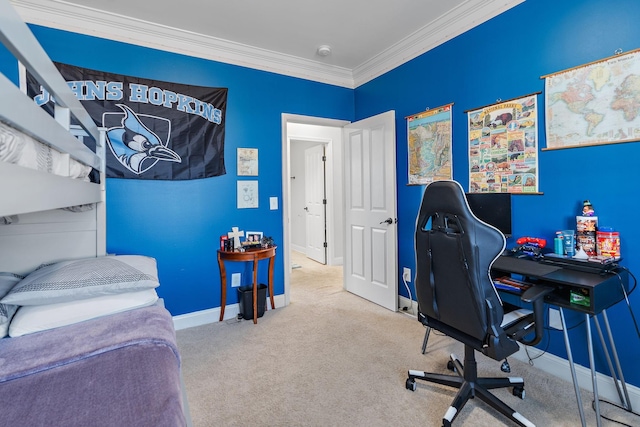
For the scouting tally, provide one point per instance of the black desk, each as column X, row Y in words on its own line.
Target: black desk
column 604, row 289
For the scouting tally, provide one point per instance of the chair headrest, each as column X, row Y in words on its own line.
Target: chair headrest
column 445, row 196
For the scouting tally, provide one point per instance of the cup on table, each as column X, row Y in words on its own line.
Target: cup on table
column 569, row 240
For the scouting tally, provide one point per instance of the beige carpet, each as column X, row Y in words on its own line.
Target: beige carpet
column 331, row 358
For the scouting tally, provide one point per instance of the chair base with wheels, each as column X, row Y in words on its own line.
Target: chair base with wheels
column 470, row 386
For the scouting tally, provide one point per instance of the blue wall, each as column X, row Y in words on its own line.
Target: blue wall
column 504, row 58
column 179, row 222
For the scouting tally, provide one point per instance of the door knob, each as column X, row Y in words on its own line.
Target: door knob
column 306, row 209
column 388, row 221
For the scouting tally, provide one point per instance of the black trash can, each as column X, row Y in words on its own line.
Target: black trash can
column 246, row 301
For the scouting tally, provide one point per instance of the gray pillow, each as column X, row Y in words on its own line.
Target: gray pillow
column 7, row 282
column 84, row 278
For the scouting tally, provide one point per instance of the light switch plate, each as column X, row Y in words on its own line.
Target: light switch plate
column 273, row 203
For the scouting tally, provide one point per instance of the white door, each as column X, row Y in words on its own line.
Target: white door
column 370, row 267
column 315, row 203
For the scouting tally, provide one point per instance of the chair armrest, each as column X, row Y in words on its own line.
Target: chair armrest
column 535, row 295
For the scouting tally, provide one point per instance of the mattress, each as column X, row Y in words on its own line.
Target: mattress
column 19, row 148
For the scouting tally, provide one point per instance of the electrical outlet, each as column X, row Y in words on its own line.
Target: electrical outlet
column 235, row 279
column 555, row 321
column 406, row 274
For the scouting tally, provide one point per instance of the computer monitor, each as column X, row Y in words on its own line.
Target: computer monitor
column 492, row 208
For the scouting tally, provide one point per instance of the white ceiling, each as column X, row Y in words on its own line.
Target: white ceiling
column 367, row 37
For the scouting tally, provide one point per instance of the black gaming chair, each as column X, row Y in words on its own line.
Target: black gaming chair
column 455, row 292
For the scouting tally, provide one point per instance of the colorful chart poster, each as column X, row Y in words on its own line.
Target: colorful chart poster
column 503, row 147
column 429, row 145
column 597, row 103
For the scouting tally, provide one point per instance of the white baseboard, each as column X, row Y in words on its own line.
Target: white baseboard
column 412, row 306
column 559, row 367
column 298, row 248
column 202, row 317
column 337, row 261
column 212, row 315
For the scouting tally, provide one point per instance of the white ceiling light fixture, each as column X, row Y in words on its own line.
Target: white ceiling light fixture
column 324, row 50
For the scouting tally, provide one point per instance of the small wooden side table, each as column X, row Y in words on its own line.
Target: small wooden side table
column 254, row 255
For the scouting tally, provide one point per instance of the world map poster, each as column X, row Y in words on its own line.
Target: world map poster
column 429, row 145
column 597, row 103
column 503, row 147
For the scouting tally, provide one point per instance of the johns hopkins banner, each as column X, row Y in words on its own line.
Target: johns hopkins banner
column 155, row 129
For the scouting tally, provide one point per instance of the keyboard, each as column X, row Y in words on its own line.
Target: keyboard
column 589, row 265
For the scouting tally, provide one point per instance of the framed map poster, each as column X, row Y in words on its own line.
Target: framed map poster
column 503, row 147
column 593, row 104
column 429, row 145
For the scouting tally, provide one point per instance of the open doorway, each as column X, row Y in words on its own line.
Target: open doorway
column 361, row 188
column 300, row 133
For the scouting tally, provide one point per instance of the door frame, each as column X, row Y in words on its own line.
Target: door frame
column 315, row 183
column 294, row 143
column 286, row 187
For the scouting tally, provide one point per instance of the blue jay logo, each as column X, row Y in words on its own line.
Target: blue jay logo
column 135, row 146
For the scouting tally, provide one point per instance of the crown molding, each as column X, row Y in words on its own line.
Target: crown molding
column 462, row 18
column 62, row 15
column 88, row 21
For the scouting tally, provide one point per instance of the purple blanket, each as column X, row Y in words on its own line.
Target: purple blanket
column 119, row 370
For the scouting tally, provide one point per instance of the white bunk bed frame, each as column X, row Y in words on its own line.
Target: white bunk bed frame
column 43, row 232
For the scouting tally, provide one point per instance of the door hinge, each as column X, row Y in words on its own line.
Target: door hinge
column 324, row 158
column 324, row 201
column 324, row 244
